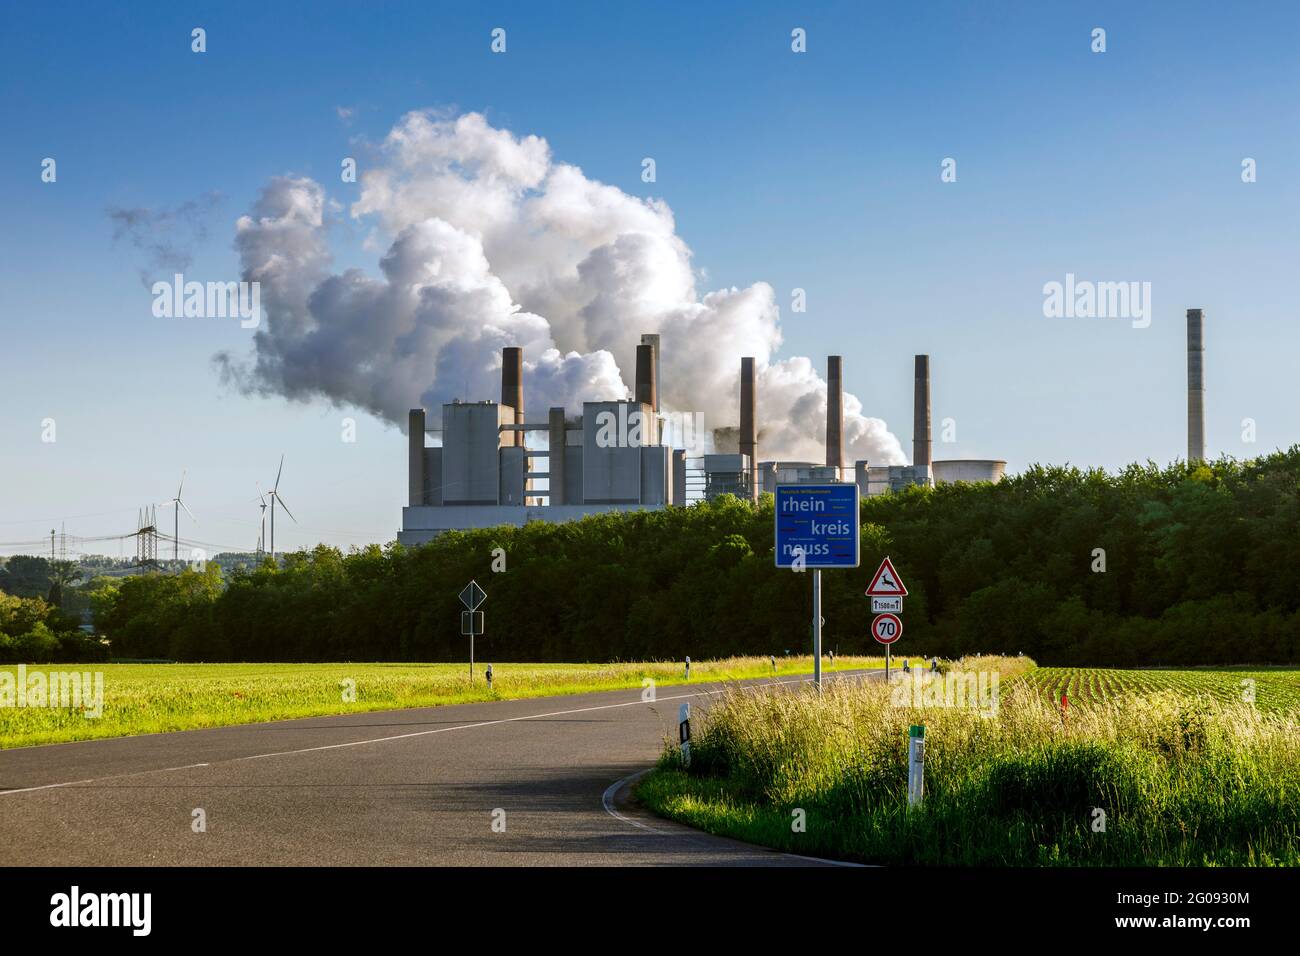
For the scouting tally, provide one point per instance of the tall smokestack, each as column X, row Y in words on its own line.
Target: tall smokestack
column 652, row 339
column 415, row 457
column 921, row 415
column 556, row 455
column 512, row 387
column 835, row 413
column 647, row 388
column 748, row 426
column 679, row 477
column 1195, row 385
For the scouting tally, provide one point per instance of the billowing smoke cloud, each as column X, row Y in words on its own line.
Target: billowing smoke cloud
column 167, row 235
column 491, row 242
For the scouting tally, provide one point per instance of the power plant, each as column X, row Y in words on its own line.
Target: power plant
column 612, row 456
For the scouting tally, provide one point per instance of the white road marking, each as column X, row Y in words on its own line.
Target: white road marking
column 607, row 801
column 380, row 740
column 119, row 776
column 492, row 723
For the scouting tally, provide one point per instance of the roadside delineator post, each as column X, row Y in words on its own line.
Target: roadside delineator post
column 489, row 676
column 688, row 666
column 684, row 732
column 915, row 765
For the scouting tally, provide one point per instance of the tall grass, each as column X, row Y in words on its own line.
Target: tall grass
column 1181, row 780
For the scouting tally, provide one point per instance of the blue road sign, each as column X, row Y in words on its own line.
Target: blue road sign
column 820, row 520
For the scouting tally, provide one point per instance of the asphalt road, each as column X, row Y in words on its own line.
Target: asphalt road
column 401, row 787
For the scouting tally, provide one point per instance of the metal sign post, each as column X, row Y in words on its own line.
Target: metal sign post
column 471, row 620
column 471, row 624
column 886, row 591
column 886, row 629
column 817, row 527
column 817, row 628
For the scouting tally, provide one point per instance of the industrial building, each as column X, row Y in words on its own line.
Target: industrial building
column 968, row 469
column 483, row 475
column 738, row 474
column 612, row 458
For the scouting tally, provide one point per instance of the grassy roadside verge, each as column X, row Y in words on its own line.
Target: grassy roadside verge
column 153, row 698
column 1181, row 780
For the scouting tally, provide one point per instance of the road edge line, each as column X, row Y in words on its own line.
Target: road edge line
column 609, row 799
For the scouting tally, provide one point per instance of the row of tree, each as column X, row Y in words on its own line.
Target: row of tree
column 34, row 631
column 26, row 575
column 1182, row 565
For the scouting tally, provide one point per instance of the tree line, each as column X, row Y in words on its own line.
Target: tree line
column 34, row 631
column 1149, row 566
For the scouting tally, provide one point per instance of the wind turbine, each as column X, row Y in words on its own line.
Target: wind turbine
column 261, row 535
column 177, row 505
column 275, row 496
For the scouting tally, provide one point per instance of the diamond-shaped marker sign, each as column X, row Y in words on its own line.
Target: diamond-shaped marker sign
column 886, row 582
column 473, row 596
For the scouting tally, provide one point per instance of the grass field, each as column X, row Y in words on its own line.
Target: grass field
column 1151, row 768
column 1273, row 689
column 150, row 698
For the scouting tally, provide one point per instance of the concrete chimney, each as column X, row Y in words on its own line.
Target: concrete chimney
column 679, row 477
column 512, row 388
column 556, row 455
column 748, row 425
column 415, row 457
column 1195, row 385
column 921, row 415
column 652, row 339
column 647, row 387
column 835, row 413
column 862, row 476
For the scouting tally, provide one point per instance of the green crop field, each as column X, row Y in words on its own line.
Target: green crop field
column 152, row 698
column 1272, row 689
column 1153, row 767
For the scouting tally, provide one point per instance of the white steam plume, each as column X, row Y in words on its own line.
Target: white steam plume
column 490, row 242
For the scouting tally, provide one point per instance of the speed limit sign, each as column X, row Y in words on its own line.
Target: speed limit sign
column 887, row 628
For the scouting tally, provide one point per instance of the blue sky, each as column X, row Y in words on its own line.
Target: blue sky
column 818, row 171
